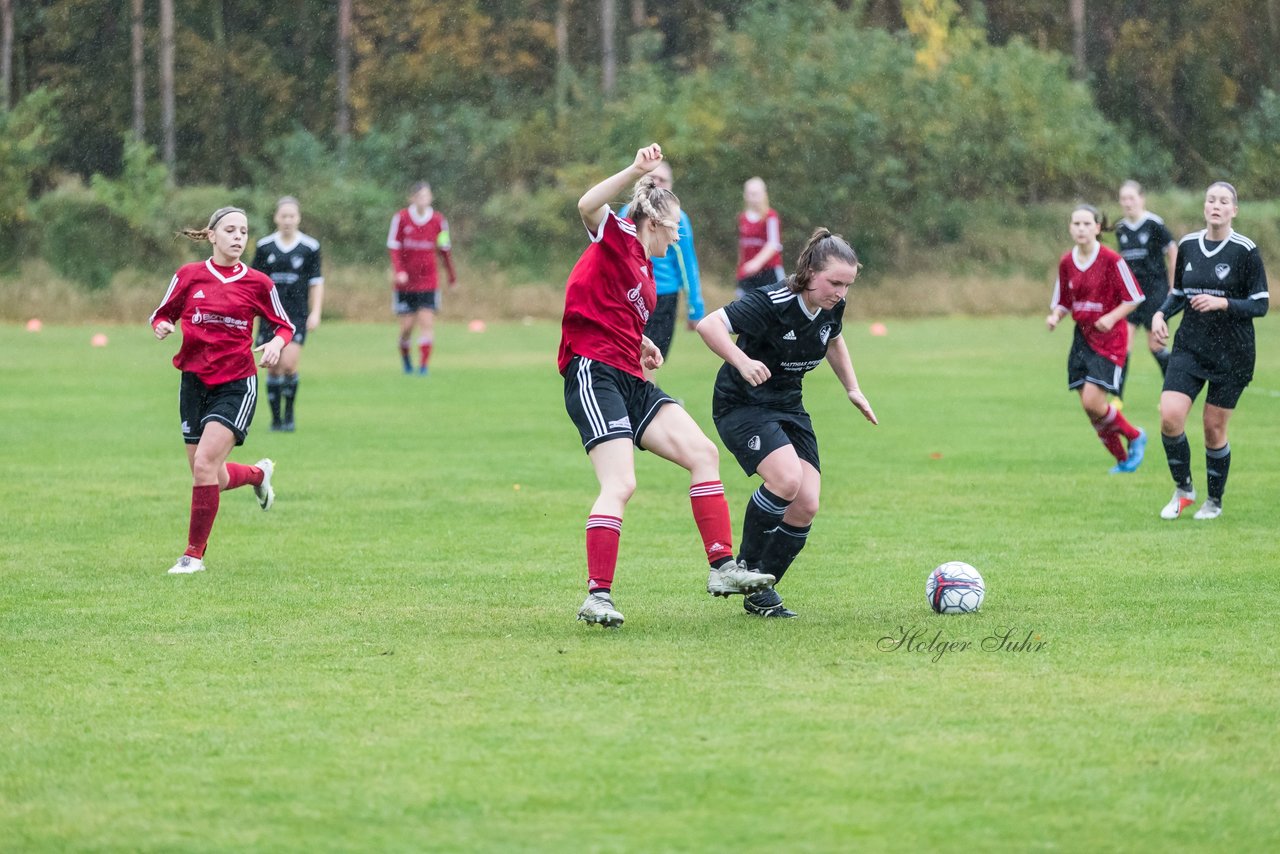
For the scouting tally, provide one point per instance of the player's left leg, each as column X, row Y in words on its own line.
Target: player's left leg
column 407, row 318
column 1103, row 416
column 786, row 541
column 426, row 337
column 288, row 373
column 1217, row 452
column 673, row 435
column 208, row 473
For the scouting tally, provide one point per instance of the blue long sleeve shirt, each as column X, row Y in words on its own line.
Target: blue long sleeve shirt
column 679, row 270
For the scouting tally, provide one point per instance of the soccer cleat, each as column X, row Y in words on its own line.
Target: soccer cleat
column 766, row 603
column 408, row 366
column 266, row 495
column 287, row 427
column 1211, row 509
column 598, row 608
column 422, row 371
column 736, row 578
column 187, row 565
column 1182, row 499
column 1137, row 450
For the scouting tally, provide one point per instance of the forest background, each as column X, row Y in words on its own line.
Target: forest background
column 947, row 139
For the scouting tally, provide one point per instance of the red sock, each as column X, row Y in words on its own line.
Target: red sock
column 204, row 509
column 1110, row 436
column 424, row 350
column 238, row 475
column 603, row 533
column 1122, row 424
column 711, row 513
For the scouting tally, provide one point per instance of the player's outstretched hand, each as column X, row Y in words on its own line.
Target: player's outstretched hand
column 754, row 372
column 858, row 399
column 650, row 355
column 270, row 352
column 162, row 330
column 648, row 158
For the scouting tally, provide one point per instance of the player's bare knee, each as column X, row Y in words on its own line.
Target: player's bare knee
column 786, row 484
column 620, row 489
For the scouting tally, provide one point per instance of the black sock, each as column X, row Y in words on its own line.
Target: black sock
column 1162, row 359
column 274, row 385
column 764, row 512
column 289, row 391
column 1217, row 463
column 721, row 563
column 1178, row 451
column 784, row 544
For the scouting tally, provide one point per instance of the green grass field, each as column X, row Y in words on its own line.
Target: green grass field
column 388, row 660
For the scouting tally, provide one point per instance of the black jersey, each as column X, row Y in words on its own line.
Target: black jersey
column 294, row 269
column 774, row 327
column 1142, row 246
column 1221, row 341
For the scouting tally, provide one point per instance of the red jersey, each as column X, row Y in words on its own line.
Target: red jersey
column 215, row 307
column 755, row 235
column 608, row 299
column 413, row 243
column 1091, row 288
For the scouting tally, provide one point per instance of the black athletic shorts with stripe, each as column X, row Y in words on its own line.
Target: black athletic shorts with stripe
column 752, row 433
column 606, row 403
column 1084, row 365
column 230, row 404
column 1188, row 375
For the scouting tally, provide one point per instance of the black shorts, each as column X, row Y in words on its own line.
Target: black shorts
column 1155, row 296
column 752, row 433
column 266, row 332
column 766, row 278
column 230, row 404
column 662, row 322
column 407, row 302
column 1085, row 365
column 605, row 403
column 1185, row 374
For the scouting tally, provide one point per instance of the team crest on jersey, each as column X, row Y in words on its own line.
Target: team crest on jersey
column 296, row 261
column 824, row 333
column 1222, row 271
column 197, row 317
column 271, row 259
column 754, row 443
column 1124, row 238
column 637, row 301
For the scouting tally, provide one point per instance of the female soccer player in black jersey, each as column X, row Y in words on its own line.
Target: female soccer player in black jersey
column 1149, row 249
column 783, row 333
column 1219, row 276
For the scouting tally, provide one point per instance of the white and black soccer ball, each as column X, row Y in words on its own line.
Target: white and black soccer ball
column 955, row 588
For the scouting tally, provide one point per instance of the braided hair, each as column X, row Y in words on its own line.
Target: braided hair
column 201, row 235
column 823, row 248
column 654, row 203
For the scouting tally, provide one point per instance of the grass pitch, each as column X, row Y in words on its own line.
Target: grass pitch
column 388, row 659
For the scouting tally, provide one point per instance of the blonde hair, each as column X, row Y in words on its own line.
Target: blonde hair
column 288, row 200
column 654, row 203
column 1235, row 198
column 764, row 188
column 203, row 234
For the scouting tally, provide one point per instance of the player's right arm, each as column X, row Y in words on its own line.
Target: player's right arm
column 715, row 330
column 1175, row 302
column 1057, row 306
column 594, row 204
column 164, row 319
column 396, row 250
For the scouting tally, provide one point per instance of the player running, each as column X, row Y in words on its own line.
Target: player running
column 609, row 297
column 1149, row 249
column 676, row 272
column 216, row 301
column 759, row 240
column 417, row 233
column 1097, row 289
column 292, row 260
column 783, row 333
column 1218, row 274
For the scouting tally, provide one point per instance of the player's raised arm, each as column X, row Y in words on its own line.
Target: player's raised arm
column 594, row 204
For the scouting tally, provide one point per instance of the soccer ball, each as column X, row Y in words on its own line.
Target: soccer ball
column 954, row 588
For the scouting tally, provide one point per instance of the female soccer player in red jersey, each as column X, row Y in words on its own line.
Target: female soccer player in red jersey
column 603, row 355
column 216, row 301
column 417, row 233
column 759, row 239
column 1097, row 289
column 784, row 332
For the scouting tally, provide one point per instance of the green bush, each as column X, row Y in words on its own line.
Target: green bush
column 81, row 238
column 1255, row 172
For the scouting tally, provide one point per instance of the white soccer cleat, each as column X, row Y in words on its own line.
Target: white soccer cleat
column 187, row 565
column 598, row 608
column 1182, row 499
column 266, row 495
column 1211, row 509
column 735, row 578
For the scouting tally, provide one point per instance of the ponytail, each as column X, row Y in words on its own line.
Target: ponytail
column 823, row 248
column 202, row 235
